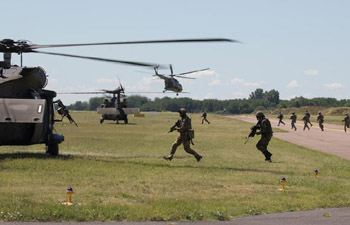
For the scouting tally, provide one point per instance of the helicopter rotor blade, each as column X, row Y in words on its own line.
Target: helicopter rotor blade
column 99, row 59
column 33, row 46
column 184, row 77
column 81, row 93
column 194, row 71
column 171, row 69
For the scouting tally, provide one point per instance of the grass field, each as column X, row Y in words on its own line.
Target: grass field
column 117, row 173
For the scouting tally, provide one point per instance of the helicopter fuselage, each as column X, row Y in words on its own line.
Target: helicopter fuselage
column 171, row 84
column 26, row 109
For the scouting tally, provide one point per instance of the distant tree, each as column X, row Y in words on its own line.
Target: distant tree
column 272, row 96
column 94, row 103
column 257, row 94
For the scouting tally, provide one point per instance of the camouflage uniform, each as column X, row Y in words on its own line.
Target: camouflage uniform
column 293, row 117
column 346, row 121
column 280, row 117
column 184, row 127
column 320, row 120
column 265, row 128
column 305, row 119
column 307, row 114
column 204, row 116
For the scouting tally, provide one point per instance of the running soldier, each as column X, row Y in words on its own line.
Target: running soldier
column 307, row 114
column 306, row 121
column 346, row 121
column 204, row 117
column 184, row 127
column 320, row 120
column 265, row 130
column 293, row 118
column 280, row 117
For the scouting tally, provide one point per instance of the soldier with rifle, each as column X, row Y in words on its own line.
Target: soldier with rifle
column 64, row 112
column 263, row 128
column 184, row 127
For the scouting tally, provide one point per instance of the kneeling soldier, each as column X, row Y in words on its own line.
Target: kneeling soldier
column 183, row 125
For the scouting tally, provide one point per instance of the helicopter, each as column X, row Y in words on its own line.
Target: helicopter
column 27, row 113
column 171, row 84
column 114, row 108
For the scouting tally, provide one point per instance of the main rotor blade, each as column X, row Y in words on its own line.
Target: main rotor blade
column 82, row 93
column 194, row 71
column 99, row 59
column 184, row 77
column 137, row 42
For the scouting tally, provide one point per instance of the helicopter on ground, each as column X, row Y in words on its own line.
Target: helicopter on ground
column 171, row 84
column 115, row 107
column 27, row 114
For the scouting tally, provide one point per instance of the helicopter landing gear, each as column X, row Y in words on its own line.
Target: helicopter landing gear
column 126, row 120
column 163, row 91
column 52, row 145
column 52, row 148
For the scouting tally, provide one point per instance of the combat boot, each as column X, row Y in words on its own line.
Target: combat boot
column 169, row 157
column 198, row 157
column 267, row 155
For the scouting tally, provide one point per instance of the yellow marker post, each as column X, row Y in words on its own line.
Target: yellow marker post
column 70, row 192
column 316, row 173
column 283, row 181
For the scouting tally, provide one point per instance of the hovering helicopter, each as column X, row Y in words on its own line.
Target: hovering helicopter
column 27, row 114
column 171, row 84
column 114, row 108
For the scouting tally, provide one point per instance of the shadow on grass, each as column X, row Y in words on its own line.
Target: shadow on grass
column 33, row 155
column 164, row 164
column 121, row 124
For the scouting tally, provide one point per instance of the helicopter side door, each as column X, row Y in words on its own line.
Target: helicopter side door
column 17, row 114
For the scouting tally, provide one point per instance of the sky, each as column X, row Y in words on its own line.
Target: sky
column 299, row 48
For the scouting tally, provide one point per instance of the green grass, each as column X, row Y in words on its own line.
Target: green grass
column 117, row 173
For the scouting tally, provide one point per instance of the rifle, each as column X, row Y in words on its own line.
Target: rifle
column 252, row 132
column 177, row 124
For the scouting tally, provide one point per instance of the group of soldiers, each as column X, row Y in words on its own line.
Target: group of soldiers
column 263, row 128
column 306, row 120
column 184, row 126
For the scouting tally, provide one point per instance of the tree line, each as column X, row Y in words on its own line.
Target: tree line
column 258, row 100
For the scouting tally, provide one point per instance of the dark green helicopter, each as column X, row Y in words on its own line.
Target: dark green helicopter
column 172, row 84
column 27, row 114
column 115, row 107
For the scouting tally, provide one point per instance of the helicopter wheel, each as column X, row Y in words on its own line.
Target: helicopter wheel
column 101, row 120
column 177, row 94
column 52, row 148
column 126, row 120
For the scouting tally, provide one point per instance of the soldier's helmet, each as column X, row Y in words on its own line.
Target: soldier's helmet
column 346, row 114
column 319, row 112
column 182, row 111
column 293, row 113
column 260, row 114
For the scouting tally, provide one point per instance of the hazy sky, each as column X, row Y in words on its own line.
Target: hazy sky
column 300, row 48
